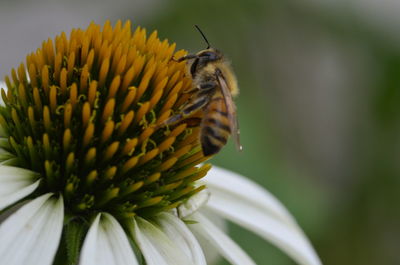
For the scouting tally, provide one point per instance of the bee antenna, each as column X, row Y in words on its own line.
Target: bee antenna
column 204, row 37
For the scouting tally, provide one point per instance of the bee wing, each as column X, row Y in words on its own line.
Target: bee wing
column 230, row 109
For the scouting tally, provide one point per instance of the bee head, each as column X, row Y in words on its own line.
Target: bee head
column 209, row 55
column 203, row 58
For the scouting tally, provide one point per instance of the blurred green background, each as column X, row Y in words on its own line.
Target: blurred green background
column 319, row 107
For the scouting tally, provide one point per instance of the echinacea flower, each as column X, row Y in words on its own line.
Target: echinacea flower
column 88, row 176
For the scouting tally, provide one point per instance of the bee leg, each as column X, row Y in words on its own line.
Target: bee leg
column 192, row 90
column 189, row 109
column 207, row 86
column 192, row 122
column 174, row 119
column 184, row 58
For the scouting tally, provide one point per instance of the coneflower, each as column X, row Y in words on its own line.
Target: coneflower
column 89, row 176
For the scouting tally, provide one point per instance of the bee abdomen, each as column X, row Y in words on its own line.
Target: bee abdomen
column 214, row 136
column 208, row 147
column 217, row 111
column 217, row 123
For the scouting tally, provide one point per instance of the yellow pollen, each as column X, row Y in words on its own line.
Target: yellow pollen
column 46, row 119
column 146, row 134
column 110, row 151
column 85, row 114
column 148, row 156
column 128, row 99
column 166, row 144
column 131, row 163
column 126, row 121
column 104, row 71
column 114, row 87
column 110, row 173
column 129, row 146
column 157, row 96
column 63, row 80
column 142, row 111
column 53, row 99
column 73, row 95
column 37, row 100
column 46, row 146
column 92, row 93
column 90, row 157
column 108, row 110
column 32, row 75
column 168, row 164
column 183, row 150
column 84, row 80
column 67, row 115
column 91, row 177
column 153, row 178
column 107, row 131
column 70, row 65
column 67, row 140
column 178, row 130
column 88, row 135
column 146, row 79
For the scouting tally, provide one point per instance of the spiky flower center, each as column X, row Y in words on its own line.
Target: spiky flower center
column 86, row 117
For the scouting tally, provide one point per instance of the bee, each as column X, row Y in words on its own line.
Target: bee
column 214, row 86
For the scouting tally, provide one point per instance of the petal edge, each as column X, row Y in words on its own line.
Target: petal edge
column 106, row 243
column 31, row 235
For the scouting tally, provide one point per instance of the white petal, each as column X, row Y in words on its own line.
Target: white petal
column 270, row 224
column 106, row 243
column 4, row 155
column 225, row 182
column 32, row 234
column 2, row 86
column 177, row 231
column 15, row 184
column 8, row 173
column 4, row 142
column 155, row 246
column 16, row 192
column 12, row 162
column 193, row 203
column 3, row 132
column 224, row 244
column 212, row 254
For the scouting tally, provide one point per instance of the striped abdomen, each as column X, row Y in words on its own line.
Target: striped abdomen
column 215, row 127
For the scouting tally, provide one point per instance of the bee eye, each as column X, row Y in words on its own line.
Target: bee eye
column 209, row 56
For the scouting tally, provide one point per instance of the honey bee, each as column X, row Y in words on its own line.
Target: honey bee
column 214, row 86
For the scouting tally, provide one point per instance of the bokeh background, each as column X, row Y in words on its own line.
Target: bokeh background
column 319, row 107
